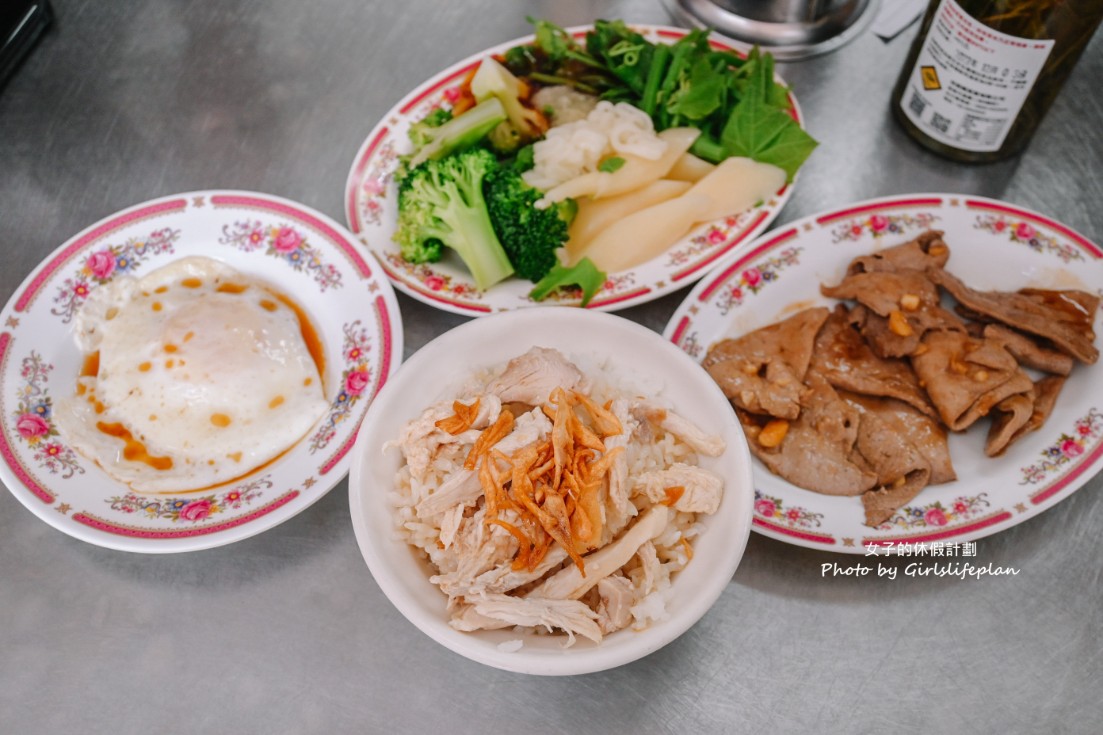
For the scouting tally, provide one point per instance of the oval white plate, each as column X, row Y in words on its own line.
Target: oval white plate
column 351, row 305
column 643, row 361
column 371, row 211
column 993, row 245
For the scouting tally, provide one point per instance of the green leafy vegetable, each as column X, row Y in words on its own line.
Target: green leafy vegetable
column 583, row 274
column 553, row 40
column 767, row 134
column 610, row 165
column 734, row 101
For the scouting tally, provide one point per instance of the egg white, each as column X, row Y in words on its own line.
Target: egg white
column 205, row 367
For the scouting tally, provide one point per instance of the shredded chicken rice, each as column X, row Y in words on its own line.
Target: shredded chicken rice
column 549, row 501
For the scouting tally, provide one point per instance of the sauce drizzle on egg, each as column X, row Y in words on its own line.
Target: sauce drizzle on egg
column 133, row 449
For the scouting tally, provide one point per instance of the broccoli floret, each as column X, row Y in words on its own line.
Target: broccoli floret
column 421, row 133
column 529, row 235
column 441, row 203
column 525, row 159
column 461, row 132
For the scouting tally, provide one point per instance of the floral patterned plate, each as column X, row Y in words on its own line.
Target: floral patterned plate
column 371, row 211
column 303, row 253
column 993, row 246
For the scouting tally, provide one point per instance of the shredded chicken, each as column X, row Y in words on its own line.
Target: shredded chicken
column 529, row 492
column 570, row 582
column 701, row 489
column 617, row 597
column 532, row 377
column 706, row 444
column 499, row 611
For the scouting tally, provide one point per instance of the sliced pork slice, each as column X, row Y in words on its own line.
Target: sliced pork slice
column 965, row 376
column 1015, row 418
column 925, row 251
column 882, row 340
column 1066, row 318
column 815, row 452
column 1029, row 352
column 902, row 471
column 762, row 372
column 1046, row 391
column 848, row 362
column 923, row 432
column 1009, row 417
column 903, row 306
column 886, row 291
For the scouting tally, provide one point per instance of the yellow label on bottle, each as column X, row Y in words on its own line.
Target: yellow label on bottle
column 970, row 81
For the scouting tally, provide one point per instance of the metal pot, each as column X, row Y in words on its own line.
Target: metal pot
column 790, row 29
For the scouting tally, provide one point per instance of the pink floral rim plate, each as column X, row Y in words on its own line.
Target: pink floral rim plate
column 371, row 211
column 993, row 246
column 301, row 252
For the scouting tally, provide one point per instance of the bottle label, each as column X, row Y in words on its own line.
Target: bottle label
column 969, row 81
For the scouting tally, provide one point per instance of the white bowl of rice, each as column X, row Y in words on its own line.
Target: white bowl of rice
column 560, row 550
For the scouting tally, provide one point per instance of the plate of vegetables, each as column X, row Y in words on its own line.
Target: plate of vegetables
column 601, row 166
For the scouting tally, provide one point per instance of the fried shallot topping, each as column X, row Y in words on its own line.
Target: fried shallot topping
column 554, row 486
column 461, row 419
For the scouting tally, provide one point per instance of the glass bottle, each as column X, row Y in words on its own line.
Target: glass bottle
column 982, row 73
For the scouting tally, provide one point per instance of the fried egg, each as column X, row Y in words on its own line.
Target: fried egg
column 195, row 375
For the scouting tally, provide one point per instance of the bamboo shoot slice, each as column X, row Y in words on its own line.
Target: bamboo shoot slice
column 735, row 185
column 594, row 215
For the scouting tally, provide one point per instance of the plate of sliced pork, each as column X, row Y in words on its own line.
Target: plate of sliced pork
column 907, row 370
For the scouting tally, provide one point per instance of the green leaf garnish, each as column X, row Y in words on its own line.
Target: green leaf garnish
column 583, row 274
column 757, row 130
column 609, row 165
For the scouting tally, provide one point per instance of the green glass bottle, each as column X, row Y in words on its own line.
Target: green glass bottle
column 982, row 73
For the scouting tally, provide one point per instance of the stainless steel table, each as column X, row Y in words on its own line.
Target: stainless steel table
column 287, row 631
